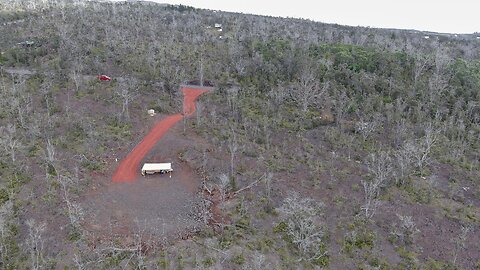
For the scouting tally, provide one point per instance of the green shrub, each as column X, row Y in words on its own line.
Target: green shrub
column 74, row 234
column 16, row 180
column 34, row 150
column 432, row 264
column 181, row 261
column 3, row 196
column 419, row 192
column 208, row 262
column 280, row 227
column 263, row 244
column 116, row 130
column 163, row 261
column 114, row 260
column 359, row 238
column 323, row 260
column 409, row 259
column 238, row 259
column 93, row 165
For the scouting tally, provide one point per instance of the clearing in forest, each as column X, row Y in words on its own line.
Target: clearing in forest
column 157, row 205
column 128, row 170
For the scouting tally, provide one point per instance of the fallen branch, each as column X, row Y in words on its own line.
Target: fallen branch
column 114, row 249
column 222, row 224
column 205, row 187
column 233, row 194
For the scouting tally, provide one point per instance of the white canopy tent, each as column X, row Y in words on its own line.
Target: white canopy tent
column 151, row 168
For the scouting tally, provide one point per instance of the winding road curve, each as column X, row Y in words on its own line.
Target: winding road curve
column 128, row 170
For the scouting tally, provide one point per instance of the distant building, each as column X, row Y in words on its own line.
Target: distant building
column 426, row 37
column 26, row 43
column 218, row 25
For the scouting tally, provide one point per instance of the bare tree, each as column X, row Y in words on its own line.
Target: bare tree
column 50, row 154
column 460, row 242
column 50, row 160
column 400, row 131
column 223, row 186
column 268, row 185
column 46, row 91
column 16, row 101
column 341, row 104
column 76, row 74
column 308, row 89
column 257, row 262
column 151, row 57
column 380, row 169
column 35, row 242
column 437, row 86
column 442, row 60
column 74, row 210
column 421, row 65
column 6, row 213
column 404, row 165
column 365, row 128
column 198, row 113
column 406, row 230
column 200, row 72
column 267, row 129
column 9, row 141
column 127, row 93
column 232, row 100
column 24, row 107
column 278, row 95
column 301, row 216
column 201, row 211
column 422, row 148
column 232, row 147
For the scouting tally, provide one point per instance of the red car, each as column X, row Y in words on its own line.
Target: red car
column 104, row 78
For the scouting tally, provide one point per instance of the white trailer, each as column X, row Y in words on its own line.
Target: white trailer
column 151, row 168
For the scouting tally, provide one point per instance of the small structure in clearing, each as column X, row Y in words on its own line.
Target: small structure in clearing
column 151, row 112
column 151, row 168
column 27, row 43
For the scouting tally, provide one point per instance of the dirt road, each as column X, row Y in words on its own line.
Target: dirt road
column 129, row 168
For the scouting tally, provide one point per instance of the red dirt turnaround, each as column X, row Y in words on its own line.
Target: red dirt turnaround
column 128, row 170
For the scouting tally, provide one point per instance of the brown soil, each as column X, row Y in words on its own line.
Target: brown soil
column 160, row 206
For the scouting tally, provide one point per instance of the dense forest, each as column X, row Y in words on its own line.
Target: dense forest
column 322, row 146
